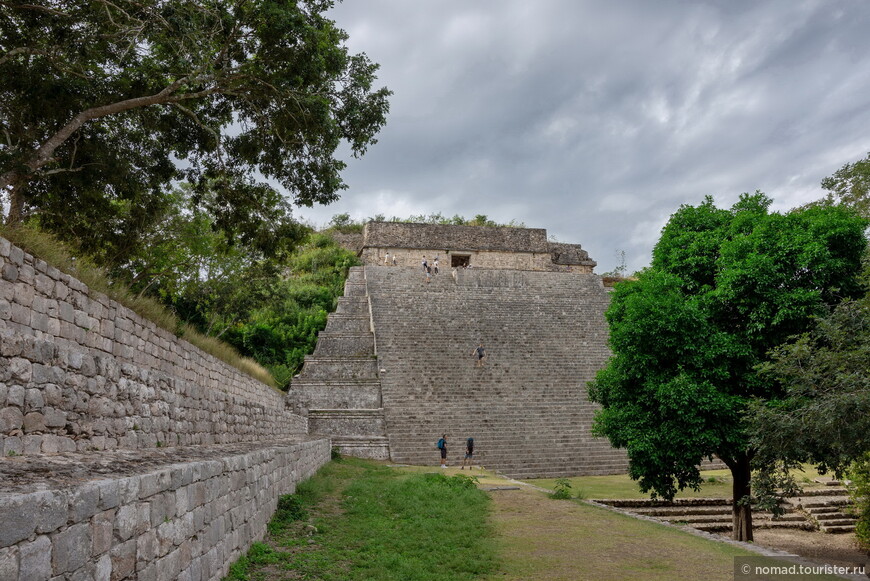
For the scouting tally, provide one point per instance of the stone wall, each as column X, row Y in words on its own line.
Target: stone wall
column 80, row 372
column 186, row 519
column 128, row 453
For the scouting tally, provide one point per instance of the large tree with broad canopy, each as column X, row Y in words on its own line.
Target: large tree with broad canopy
column 105, row 103
column 724, row 287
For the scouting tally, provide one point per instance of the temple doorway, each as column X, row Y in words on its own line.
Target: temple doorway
column 460, row 260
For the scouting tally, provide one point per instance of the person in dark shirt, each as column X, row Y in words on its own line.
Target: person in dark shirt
column 469, row 454
column 481, row 354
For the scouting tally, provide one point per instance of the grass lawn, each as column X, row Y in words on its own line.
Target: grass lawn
column 360, row 520
column 717, row 484
column 567, row 540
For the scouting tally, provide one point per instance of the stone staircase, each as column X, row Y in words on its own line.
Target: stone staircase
column 712, row 515
column 817, row 509
column 545, row 337
column 338, row 387
column 827, row 508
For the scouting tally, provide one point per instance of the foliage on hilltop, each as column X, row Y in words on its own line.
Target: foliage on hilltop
column 345, row 224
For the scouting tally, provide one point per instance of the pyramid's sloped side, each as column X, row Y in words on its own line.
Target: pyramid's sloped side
column 527, row 408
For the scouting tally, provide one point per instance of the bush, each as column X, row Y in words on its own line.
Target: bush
column 562, row 490
column 859, row 488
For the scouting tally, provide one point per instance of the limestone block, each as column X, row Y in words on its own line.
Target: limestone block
column 66, row 312
column 147, row 548
column 21, row 370
column 34, row 422
column 11, row 419
column 5, row 310
column 10, row 344
column 125, row 521
column 35, row 560
column 43, row 374
column 109, row 493
column 71, row 548
column 123, row 559
column 103, row 569
column 44, row 285
column 32, row 444
column 9, row 272
column 84, row 502
column 143, row 517
column 16, row 256
column 61, row 292
column 33, row 399
column 169, row 566
column 128, row 489
column 24, row 293
column 102, row 527
column 12, row 446
column 162, row 507
column 9, row 563
column 54, row 418
column 52, row 394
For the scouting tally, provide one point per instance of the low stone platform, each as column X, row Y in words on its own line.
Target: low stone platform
column 170, row 513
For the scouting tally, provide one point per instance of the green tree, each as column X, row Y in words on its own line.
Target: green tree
column 850, row 186
column 824, row 416
column 101, row 99
column 724, row 287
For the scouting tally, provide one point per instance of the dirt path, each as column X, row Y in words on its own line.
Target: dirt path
column 824, row 548
column 549, row 540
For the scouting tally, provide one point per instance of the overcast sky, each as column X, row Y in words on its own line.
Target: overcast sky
column 597, row 119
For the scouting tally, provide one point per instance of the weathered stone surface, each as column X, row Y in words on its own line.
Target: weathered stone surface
column 34, row 422
column 70, row 396
column 11, row 419
column 21, row 369
column 9, row 563
column 71, row 549
column 102, row 527
column 35, row 560
column 123, row 560
column 83, row 502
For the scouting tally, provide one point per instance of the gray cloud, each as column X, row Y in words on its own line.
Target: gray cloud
column 596, row 120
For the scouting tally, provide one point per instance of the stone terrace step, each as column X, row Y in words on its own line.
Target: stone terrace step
column 545, row 338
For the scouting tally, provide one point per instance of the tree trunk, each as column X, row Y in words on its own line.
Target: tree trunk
column 12, row 182
column 741, row 510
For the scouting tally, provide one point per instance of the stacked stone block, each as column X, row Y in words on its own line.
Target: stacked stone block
column 80, row 372
column 128, row 453
column 182, row 521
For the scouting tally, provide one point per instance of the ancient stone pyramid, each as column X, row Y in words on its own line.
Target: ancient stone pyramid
column 394, row 368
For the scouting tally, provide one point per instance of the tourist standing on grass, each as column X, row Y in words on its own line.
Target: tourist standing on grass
column 469, row 454
column 481, row 354
column 442, row 447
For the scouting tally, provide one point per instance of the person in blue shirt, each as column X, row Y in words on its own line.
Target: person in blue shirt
column 442, row 446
